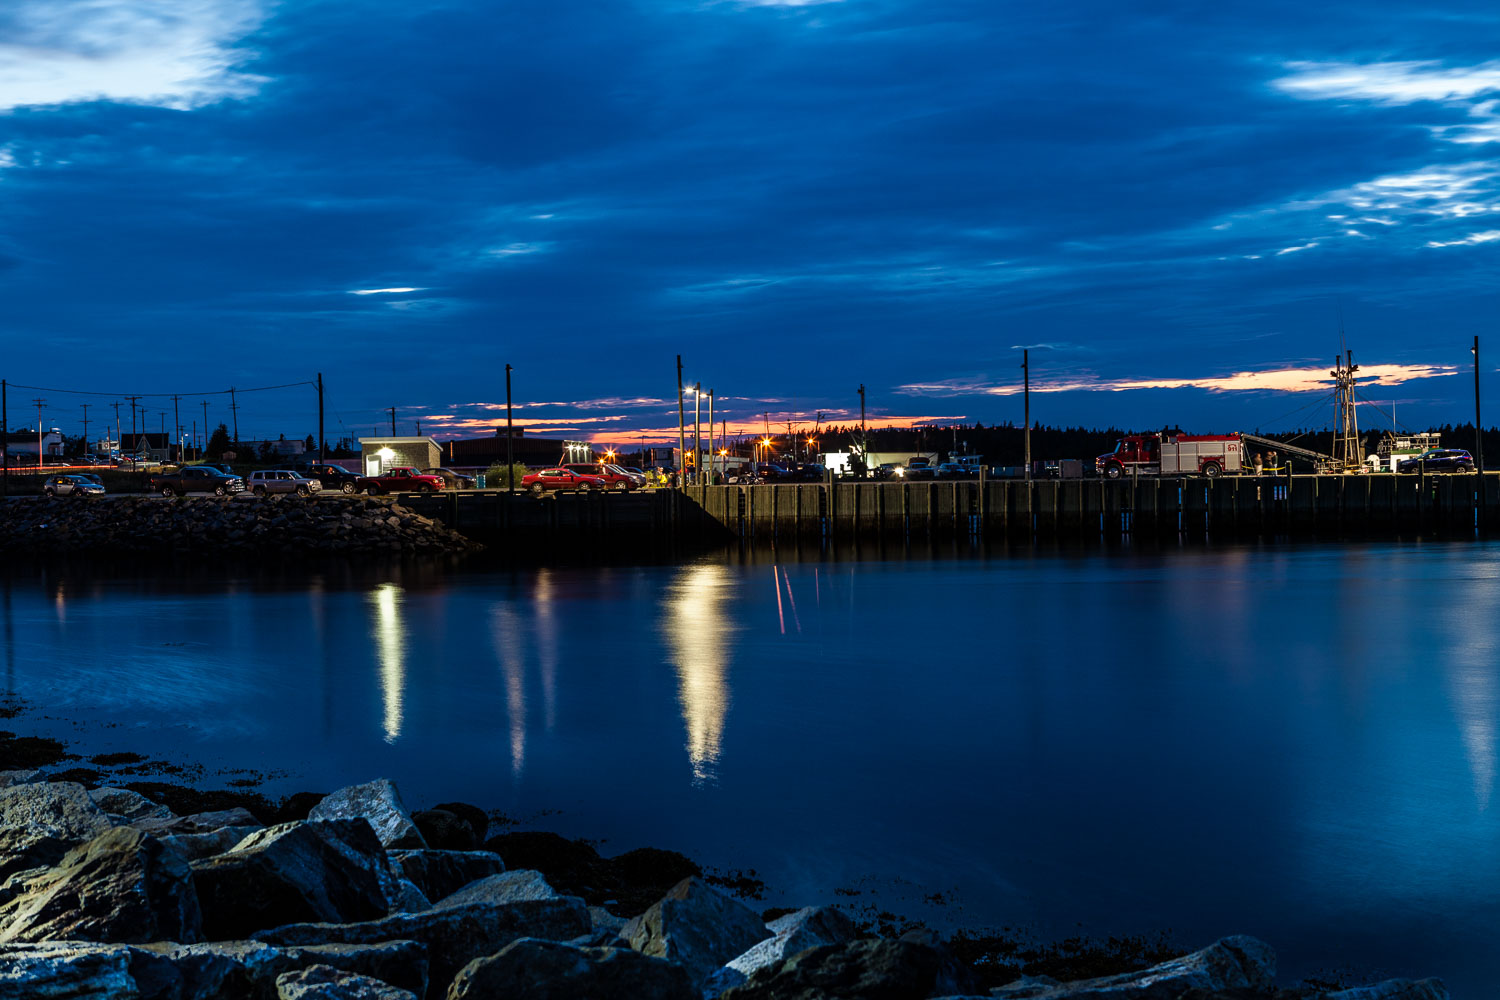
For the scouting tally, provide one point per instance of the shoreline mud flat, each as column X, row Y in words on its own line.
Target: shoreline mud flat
column 120, row 877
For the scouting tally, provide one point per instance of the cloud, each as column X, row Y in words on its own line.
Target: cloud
column 177, row 54
column 1488, row 236
column 383, row 291
column 1391, row 83
column 1270, row 380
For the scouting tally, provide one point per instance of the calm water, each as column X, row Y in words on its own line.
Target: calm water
column 1299, row 744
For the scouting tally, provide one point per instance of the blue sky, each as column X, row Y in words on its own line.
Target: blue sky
column 1173, row 207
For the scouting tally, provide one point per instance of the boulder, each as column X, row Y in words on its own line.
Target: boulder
column 195, row 846
column 25, row 777
column 1232, row 963
column 128, row 806
column 454, row 935
column 122, row 887
column 324, row 982
column 795, row 932
column 248, row 970
column 695, row 926
column 477, row 818
column 441, row 873
column 552, row 970
column 506, row 887
column 1394, row 989
column 445, row 830
column 378, row 803
column 291, row 873
column 66, row 970
column 40, row 822
column 203, row 822
column 855, row 970
column 606, row 922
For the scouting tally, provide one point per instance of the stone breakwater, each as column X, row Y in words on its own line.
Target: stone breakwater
column 109, row 893
column 284, row 525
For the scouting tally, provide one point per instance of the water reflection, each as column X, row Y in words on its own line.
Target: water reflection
column 390, row 641
column 700, row 631
column 1471, row 682
column 508, row 639
column 546, row 638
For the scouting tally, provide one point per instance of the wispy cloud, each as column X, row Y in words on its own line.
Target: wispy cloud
column 1271, row 380
column 1470, row 88
column 383, row 291
column 1488, row 236
column 174, row 55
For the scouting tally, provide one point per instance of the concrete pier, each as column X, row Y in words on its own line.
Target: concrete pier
column 1373, row 506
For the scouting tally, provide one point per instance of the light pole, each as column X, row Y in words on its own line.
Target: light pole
column 1026, row 389
column 710, row 427
column 1478, row 427
column 697, row 427
column 510, row 435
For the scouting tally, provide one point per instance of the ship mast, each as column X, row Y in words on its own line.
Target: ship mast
column 1346, row 444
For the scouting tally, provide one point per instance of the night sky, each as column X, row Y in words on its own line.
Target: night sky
column 1174, row 206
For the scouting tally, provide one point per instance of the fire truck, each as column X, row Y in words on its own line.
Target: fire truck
column 1167, row 454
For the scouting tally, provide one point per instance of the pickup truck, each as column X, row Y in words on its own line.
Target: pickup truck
column 194, row 479
column 331, row 476
column 402, row 479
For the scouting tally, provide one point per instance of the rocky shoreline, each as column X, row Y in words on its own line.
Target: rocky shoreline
column 109, row 892
column 284, row 525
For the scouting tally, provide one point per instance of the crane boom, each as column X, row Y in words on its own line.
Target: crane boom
column 1307, row 453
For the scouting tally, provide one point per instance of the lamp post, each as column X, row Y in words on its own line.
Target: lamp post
column 681, row 433
column 697, row 426
column 510, row 436
column 710, row 426
column 1478, row 426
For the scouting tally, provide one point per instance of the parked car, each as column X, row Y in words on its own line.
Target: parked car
column 611, row 476
column 1438, row 460
column 404, row 479
column 71, row 486
column 452, row 479
column 957, row 470
column 332, row 477
column 890, row 470
column 282, row 481
column 551, row 480
column 194, row 479
column 223, row 467
column 636, row 475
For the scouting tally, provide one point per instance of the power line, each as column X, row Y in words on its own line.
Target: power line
column 165, row 395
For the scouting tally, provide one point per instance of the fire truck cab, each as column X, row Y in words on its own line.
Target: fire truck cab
column 1209, row 455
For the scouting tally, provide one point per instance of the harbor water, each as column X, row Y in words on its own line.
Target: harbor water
column 1298, row 742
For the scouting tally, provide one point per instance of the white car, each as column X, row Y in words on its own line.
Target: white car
column 636, row 475
column 281, row 481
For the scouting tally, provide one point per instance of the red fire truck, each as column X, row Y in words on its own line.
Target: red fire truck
column 1168, row 454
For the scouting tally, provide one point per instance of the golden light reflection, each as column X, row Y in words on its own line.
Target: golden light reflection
column 1470, row 668
column 510, row 642
column 546, row 643
column 390, row 641
column 700, row 634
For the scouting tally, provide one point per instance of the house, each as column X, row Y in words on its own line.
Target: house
column 483, row 452
column 377, row 454
column 150, row 447
column 25, row 443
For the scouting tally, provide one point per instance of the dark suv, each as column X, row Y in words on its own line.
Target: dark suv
column 1438, row 460
column 332, row 477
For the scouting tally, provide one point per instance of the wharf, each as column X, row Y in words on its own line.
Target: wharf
column 1381, row 505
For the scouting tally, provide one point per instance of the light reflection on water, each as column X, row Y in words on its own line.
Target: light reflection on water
column 1300, row 744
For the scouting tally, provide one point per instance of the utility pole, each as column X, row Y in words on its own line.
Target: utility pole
column 196, row 450
column 1026, row 390
column 697, row 427
column 234, row 410
column 710, row 429
column 510, row 437
column 39, row 403
column 177, row 425
column 4, row 440
column 204, row 447
column 86, row 449
column 134, row 442
column 864, row 437
column 322, row 446
column 116, row 405
column 681, row 432
column 1478, row 427
column 393, row 420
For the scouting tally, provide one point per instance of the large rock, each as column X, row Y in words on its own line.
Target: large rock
column 552, row 970
column 66, row 971
column 378, row 803
column 23, row 777
column 855, row 970
column 196, row 846
column 122, row 886
column 795, row 932
column 203, row 822
column 695, row 926
column 446, row 830
column 454, row 935
column 441, row 873
column 1233, row 963
column 324, row 982
column 40, row 822
column 127, row 806
column 292, row 873
column 507, row 887
column 248, row 970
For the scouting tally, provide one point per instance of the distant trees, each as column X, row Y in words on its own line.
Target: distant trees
column 218, row 442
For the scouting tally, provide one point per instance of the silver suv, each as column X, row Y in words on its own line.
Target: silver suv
column 281, row 481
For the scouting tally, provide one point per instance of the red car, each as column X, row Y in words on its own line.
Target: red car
column 560, row 479
column 402, row 479
column 611, row 479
